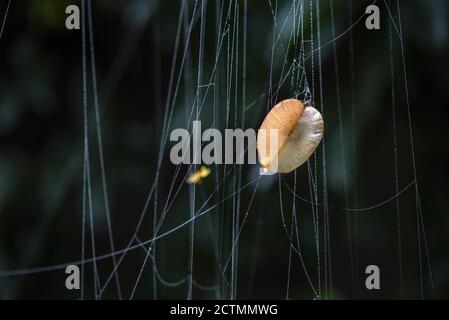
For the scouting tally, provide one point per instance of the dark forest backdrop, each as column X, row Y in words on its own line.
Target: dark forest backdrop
column 41, row 148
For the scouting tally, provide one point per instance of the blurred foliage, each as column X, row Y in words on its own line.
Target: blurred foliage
column 41, row 147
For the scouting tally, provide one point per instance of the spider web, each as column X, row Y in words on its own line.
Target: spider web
column 206, row 76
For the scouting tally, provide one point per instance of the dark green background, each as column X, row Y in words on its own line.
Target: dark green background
column 41, row 148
